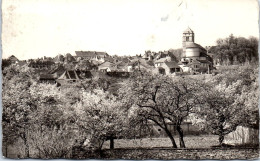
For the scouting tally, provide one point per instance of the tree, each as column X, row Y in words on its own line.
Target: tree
column 176, row 54
column 18, row 104
column 228, row 100
column 5, row 63
column 218, row 115
column 248, row 98
column 52, row 132
column 161, row 100
column 100, row 117
column 233, row 50
column 85, row 65
column 36, row 114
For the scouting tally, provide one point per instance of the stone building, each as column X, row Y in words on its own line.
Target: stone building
column 194, row 52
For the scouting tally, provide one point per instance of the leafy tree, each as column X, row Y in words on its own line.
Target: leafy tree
column 233, row 50
column 85, row 65
column 176, row 54
column 101, row 117
column 218, row 115
column 161, row 100
column 248, row 98
column 54, row 120
column 5, row 63
column 230, row 99
column 35, row 113
column 18, row 104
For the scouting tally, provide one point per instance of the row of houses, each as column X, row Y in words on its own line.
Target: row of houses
column 194, row 60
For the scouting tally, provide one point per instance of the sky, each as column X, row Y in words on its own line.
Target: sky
column 37, row 28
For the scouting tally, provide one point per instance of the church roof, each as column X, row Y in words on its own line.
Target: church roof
column 193, row 45
column 188, row 30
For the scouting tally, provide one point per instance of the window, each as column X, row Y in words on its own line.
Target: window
column 161, row 71
column 172, row 70
column 196, row 66
column 187, row 38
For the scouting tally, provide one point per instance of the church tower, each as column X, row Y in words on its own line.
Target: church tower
column 188, row 36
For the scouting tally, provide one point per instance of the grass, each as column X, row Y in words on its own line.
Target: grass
column 202, row 141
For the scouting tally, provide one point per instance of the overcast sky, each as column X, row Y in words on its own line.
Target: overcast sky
column 37, row 28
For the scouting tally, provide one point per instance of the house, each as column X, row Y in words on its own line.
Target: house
column 58, row 71
column 169, row 68
column 199, row 66
column 109, row 59
column 92, row 55
column 41, row 64
column 139, row 63
column 47, row 78
column 121, row 66
column 73, row 76
column 184, row 67
column 132, row 65
column 117, row 59
column 160, row 61
column 21, row 63
column 106, row 67
column 13, row 59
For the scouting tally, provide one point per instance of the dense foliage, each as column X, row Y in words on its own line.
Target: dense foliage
column 230, row 99
column 47, row 121
column 235, row 50
column 162, row 100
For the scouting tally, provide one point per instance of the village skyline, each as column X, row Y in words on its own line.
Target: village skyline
column 119, row 27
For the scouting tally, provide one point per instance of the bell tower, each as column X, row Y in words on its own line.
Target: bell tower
column 187, row 36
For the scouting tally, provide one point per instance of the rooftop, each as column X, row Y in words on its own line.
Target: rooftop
column 188, row 30
column 90, row 53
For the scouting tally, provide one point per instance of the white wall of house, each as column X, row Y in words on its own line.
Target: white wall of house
column 185, row 68
column 129, row 68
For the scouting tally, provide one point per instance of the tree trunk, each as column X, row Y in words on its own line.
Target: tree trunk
column 111, row 143
column 171, row 137
column 221, row 129
column 27, row 154
column 179, row 129
column 6, row 150
column 221, row 139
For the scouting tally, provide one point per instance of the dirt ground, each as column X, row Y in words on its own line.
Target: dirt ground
column 203, row 141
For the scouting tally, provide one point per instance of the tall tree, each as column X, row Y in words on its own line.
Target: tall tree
column 161, row 100
column 233, row 50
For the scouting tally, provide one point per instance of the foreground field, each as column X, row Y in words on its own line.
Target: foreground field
column 198, row 147
column 204, row 141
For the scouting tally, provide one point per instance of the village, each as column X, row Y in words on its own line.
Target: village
column 192, row 59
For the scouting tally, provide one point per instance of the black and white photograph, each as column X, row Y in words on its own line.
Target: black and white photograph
column 130, row 79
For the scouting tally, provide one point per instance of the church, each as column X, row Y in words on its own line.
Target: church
column 194, row 56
